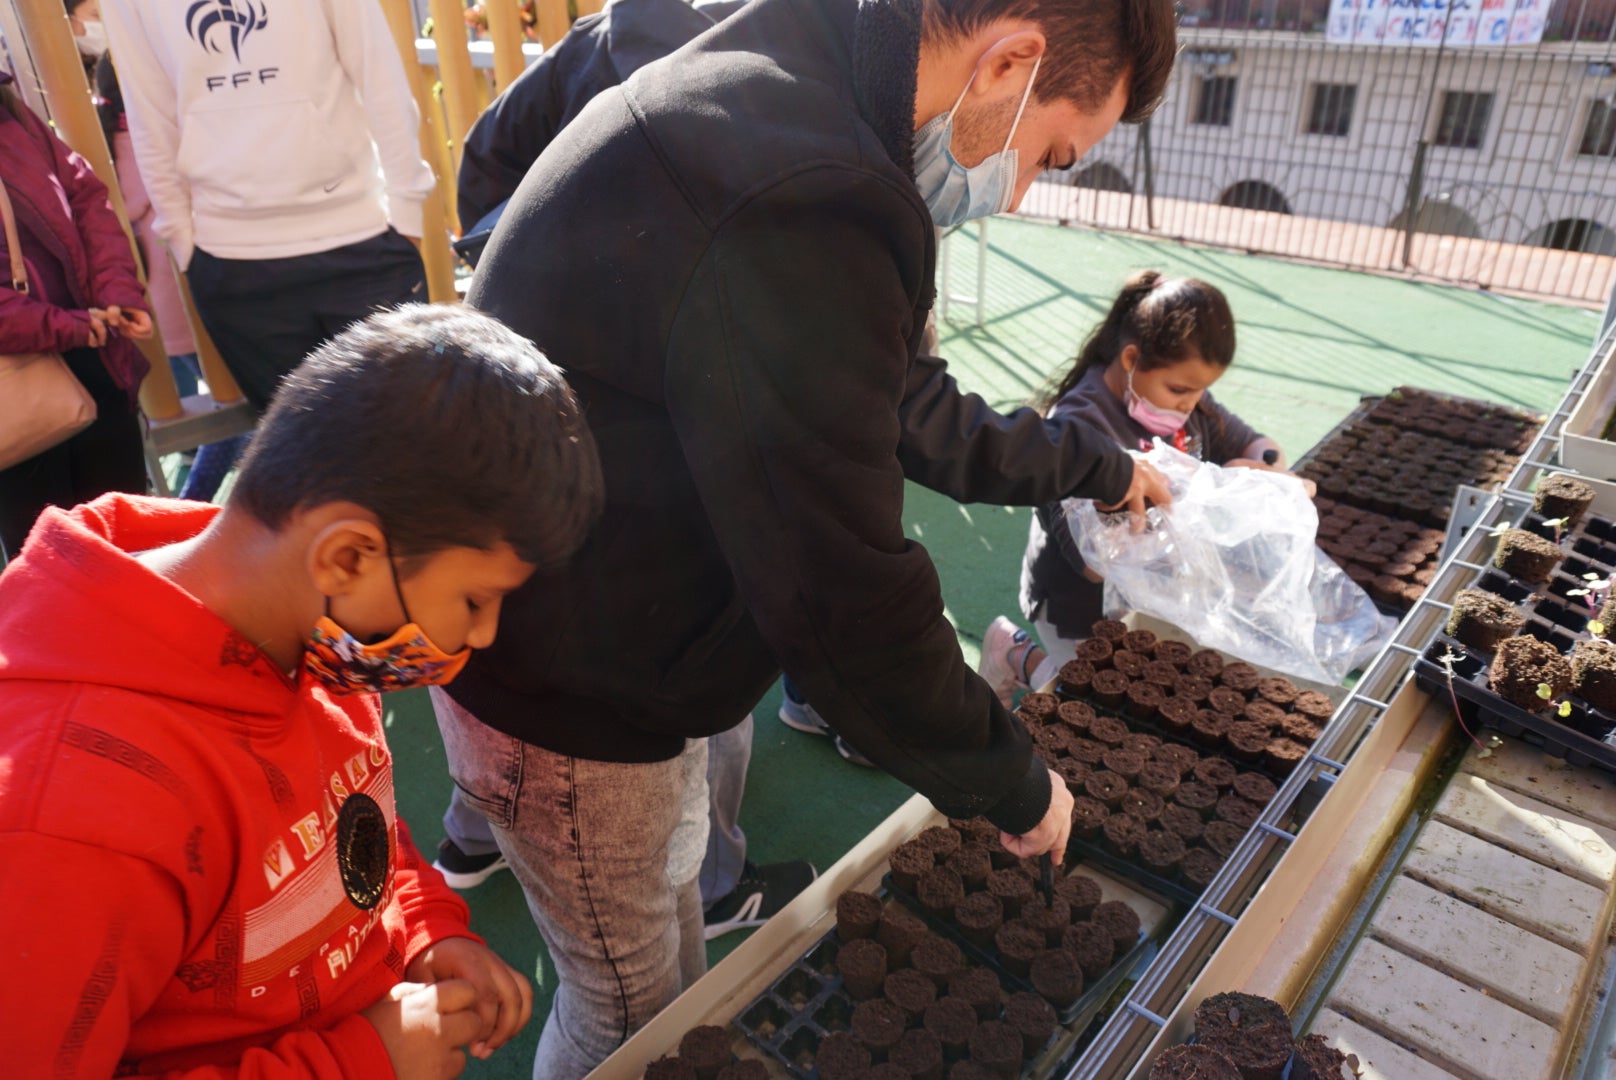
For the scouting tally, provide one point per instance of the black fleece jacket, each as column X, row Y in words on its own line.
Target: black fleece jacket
column 728, row 256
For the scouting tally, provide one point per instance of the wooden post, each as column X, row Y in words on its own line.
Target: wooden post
column 61, row 78
column 553, row 21
column 505, row 31
column 221, row 384
column 454, row 69
column 436, row 213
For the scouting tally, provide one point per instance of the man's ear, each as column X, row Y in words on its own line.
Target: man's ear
column 341, row 553
column 1008, row 60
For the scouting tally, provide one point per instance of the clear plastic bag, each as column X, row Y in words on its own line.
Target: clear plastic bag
column 1235, row 564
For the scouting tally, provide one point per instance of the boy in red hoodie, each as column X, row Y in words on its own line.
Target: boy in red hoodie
column 201, row 868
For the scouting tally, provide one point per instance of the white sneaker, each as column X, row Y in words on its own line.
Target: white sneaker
column 997, row 669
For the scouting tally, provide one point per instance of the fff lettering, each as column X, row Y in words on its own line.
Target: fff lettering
column 241, row 78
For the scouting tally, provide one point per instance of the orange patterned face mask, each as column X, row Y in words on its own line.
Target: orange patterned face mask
column 406, row 659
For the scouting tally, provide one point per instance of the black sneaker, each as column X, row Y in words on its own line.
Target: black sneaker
column 462, row 871
column 758, row 896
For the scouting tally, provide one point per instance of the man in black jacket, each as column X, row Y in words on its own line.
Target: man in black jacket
column 600, row 51
column 732, row 255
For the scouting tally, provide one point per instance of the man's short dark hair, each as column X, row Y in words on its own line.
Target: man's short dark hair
column 1090, row 44
column 452, row 429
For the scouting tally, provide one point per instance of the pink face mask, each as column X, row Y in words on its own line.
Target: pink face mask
column 1157, row 421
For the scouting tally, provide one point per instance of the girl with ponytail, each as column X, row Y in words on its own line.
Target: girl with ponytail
column 1143, row 374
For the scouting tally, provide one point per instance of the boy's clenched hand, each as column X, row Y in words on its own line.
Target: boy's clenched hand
column 504, row 995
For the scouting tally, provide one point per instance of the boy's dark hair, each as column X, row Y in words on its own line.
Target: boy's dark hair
column 1166, row 318
column 452, row 429
column 1089, row 45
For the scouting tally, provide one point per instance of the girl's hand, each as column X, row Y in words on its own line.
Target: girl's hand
column 98, row 328
column 129, row 322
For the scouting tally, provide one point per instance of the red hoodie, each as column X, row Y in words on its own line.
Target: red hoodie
column 185, row 840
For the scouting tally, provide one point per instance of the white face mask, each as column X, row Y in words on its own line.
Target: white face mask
column 93, row 42
column 953, row 193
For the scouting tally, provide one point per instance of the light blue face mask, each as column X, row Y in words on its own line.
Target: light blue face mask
column 953, row 193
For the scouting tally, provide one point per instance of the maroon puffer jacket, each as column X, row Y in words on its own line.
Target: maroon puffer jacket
column 64, row 215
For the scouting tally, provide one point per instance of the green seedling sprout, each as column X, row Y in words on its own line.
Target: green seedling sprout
column 1546, row 692
column 1594, row 595
column 1447, row 660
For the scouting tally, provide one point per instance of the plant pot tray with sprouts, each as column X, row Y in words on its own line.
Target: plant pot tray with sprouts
column 1580, row 737
column 1558, row 613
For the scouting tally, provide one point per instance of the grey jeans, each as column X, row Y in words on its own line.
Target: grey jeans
column 607, row 854
column 728, row 755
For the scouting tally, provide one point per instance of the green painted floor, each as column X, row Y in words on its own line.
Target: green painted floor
column 1311, row 341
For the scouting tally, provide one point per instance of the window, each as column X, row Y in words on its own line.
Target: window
column 1214, row 105
column 1599, row 132
column 1463, row 123
column 1331, row 111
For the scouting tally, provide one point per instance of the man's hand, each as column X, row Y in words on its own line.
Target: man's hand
column 1049, row 834
column 425, row 1027
column 1309, row 486
column 1147, row 488
column 504, row 995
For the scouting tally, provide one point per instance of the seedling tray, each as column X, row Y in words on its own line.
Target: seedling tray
column 1581, row 738
column 1091, row 852
column 803, row 1005
column 1086, row 851
column 989, row 958
column 1150, row 727
column 1552, row 616
column 806, row 1003
column 1365, row 417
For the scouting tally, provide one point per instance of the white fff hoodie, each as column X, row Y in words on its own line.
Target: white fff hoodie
column 265, row 128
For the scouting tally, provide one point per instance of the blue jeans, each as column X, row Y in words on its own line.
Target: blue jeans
column 607, row 854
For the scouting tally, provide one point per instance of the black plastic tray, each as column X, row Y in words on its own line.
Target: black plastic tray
column 1553, row 617
column 989, row 958
column 1150, row 727
column 1134, row 872
column 1581, row 738
column 806, row 1003
column 1084, row 851
column 799, row 1008
column 1361, row 413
